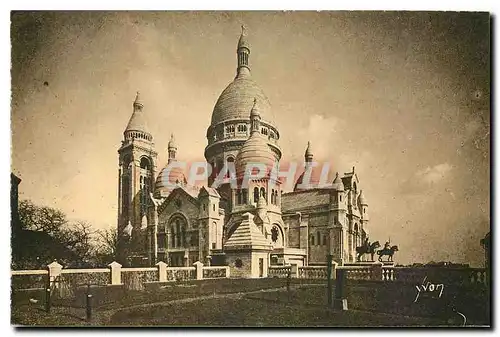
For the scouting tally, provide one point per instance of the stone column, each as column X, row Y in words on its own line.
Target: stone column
column 199, row 270
column 116, row 273
column 55, row 270
column 162, row 271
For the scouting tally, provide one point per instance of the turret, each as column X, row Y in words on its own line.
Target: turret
column 363, row 205
column 172, row 149
column 243, row 52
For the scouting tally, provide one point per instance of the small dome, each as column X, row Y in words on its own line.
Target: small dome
column 337, row 183
column 254, row 151
column 165, row 184
column 362, row 199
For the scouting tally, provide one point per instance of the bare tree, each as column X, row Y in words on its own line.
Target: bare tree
column 80, row 239
column 107, row 240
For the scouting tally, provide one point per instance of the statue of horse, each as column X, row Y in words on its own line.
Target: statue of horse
column 389, row 252
column 362, row 250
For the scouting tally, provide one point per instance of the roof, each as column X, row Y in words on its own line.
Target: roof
column 295, row 201
column 237, row 99
column 255, row 150
column 247, row 235
column 308, row 152
column 166, row 183
column 209, row 191
column 137, row 123
column 337, row 183
column 314, row 179
column 361, row 198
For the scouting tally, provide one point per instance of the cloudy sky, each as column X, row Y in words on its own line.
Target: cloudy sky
column 403, row 96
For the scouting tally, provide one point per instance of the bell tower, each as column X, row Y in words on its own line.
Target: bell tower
column 136, row 172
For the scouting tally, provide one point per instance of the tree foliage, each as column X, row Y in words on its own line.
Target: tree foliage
column 47, row 234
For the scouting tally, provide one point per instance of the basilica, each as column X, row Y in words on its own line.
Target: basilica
column 246, row 226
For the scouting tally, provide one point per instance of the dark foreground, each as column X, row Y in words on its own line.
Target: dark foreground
column 246, row 303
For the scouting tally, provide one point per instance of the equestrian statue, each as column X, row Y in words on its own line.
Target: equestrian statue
column 367, row 248
column 387, row 250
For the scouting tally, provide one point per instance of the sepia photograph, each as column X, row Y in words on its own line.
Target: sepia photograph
column 250, row 169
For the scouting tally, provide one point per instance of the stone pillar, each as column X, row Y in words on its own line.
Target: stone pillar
column 55, row 270
column 228, row 273
column 340, row 297
column 199, row 270
column 186, row 258
column 294, row 270
column 116, row 273
column 334, row 269
column 162, row 271
column 377, row 271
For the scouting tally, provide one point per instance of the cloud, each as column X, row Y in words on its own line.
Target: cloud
column 425, row 179
column 432, row 175
column 322, row 133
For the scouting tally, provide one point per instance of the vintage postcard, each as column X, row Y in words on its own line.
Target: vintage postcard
column 250, row 169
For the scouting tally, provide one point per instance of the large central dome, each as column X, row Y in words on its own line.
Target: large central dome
column 237, row 100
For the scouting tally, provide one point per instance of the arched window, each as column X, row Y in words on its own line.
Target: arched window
column 319, row 237
column 274, row 234
column 312, row 240
column 272, row 197
column 255, row 194
column 324, row 240
column 277, row 236
column 263, row 192
column 340, row 197
column 178, row 228
column 145, row 164
column 244, row 196
column 178, row 233
column 125, row 193
column 229, row 162
column 238, row 197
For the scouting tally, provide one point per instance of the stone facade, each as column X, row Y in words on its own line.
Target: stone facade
column 247, row 227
